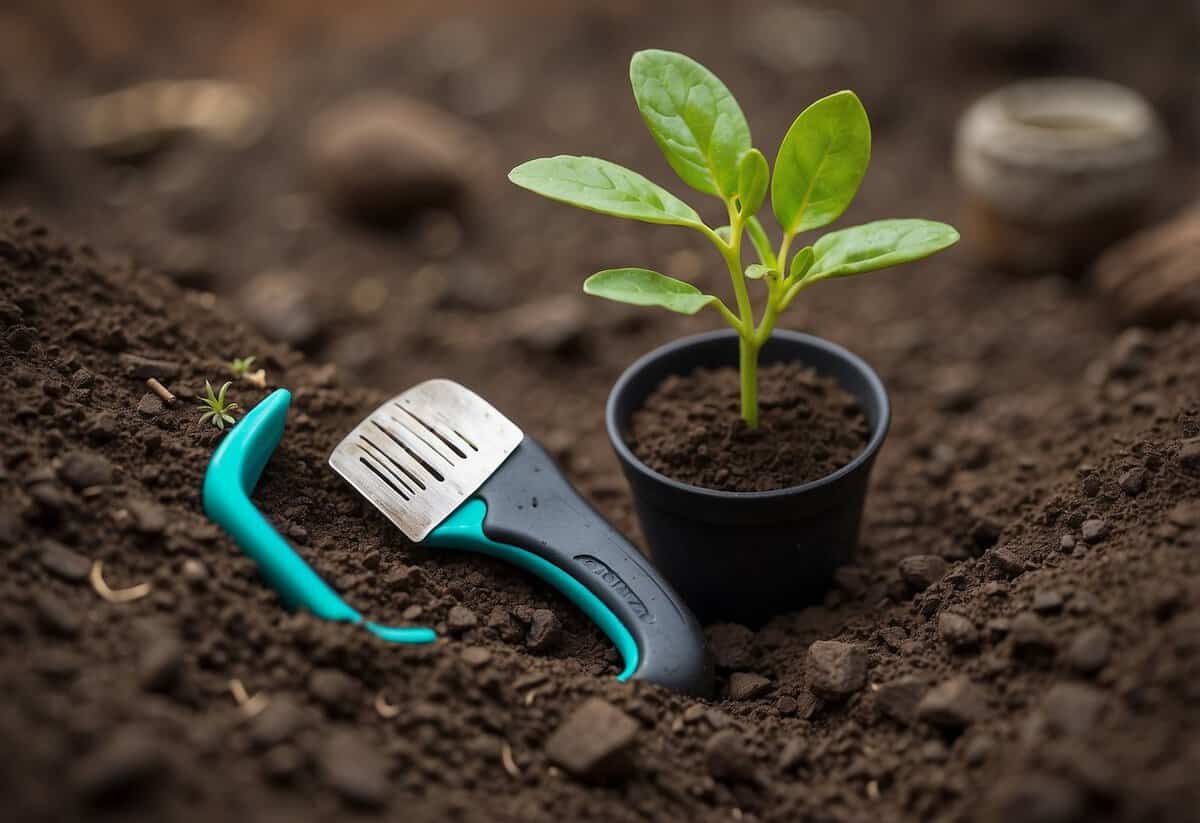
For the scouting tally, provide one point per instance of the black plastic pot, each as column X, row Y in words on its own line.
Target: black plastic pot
column 746, row 556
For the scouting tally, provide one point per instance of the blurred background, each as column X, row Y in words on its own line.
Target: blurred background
column 335, row 173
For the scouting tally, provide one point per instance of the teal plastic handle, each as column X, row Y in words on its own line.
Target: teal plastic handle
column 464, row 530
column 231, row 478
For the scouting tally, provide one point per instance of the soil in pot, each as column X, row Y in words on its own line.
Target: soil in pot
column 691, row 429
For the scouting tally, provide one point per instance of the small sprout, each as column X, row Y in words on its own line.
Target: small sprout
column 240, row 365
column 214, row 406
column 250, row 706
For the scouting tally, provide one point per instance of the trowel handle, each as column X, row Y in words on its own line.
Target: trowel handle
column 529, row 514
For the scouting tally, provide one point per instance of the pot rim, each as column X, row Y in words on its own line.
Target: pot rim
column 865, row 456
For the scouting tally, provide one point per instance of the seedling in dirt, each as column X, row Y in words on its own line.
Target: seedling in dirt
column 701, row 129
column 238, row 366
column 218, row 410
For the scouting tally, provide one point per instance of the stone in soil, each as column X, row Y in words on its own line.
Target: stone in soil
column 1005, row 562
column 83, row 469
column 64, row 563
column 1133, row 482
column 356, row 770
column 958, row 631
column 151, row 405
column 953, row 705
column 596, row 742
column 461, row 619
column 148, row 518
column 278, row 723
column 898, row 699
column 1069, row 709
column 746, row 685
column 131, row 759
column 836, row 670
column 1093, row 530
column 921, row 571
column 691, row 429
column 1089, row 652
column 545, row 631
column 727, row 757
column 1047, row 601
column 1029, row 632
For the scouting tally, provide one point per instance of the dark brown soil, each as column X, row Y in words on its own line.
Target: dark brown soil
column 1026, row 599
column 691, row 429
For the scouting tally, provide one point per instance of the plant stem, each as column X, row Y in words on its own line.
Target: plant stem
column 748, row 371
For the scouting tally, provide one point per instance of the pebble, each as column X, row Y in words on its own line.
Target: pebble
column 461, row 619
column 380, row 157
column 731, row 645
column 1093, row 530
column 64, row 563
column 1071, row 709
column 193, row 571
column 150, row 405
column 476, row 656
column 596, row 743
column 727, row 757
column 921, row 571
column 1047, row 601
column 746, row 685
column 160, row 659
column 502, row 621
column 356, row 770
column 1033, row 798
column 278, row 723
column 127, row 761
column 787, row 705
column 335, row 689
column 1005, row 562
column 83, row 469
column 958, row 631
column 1029, row 632
column 899, row 699
column 836, row 670
column 545, row 631
column 1133, row 482
column 1089, row 652
column 55, row 615
column 953, row 705
column 1066, row 543
column 148, row 518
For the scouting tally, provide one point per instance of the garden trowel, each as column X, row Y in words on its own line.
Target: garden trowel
column 452, row 472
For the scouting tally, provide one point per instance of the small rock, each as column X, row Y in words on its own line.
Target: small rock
column 545, row 631
column 596, row 742
column 160, row 660
column 1090, row 650
column 461, row 619
column 1030, row 633
column 953, row 705
column 502, row 621
column 278, row 723
column 1071, row 709
column 151, row 405
column 745, row 685
column 787, row 705
column 1034, row 798
column 1093, row 530
column 102, row 427
column 335, row 689
column 922, row 571
column 727, row 757
column 957, row 630
column 1005, row 562
column 356, row 770
column 1047, row 601
column 193, row 571
column 131, row 759
column 83, row 469
column 63, row 562
column 1133, row 482
column 836, row 670
column 899, row 699
column 476, row 656
column 148, row 518
column 82, row 379
column 731, row 645
column 1066, row 544
column 55, row 615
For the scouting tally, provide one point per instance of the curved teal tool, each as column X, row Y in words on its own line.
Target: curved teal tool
column 232, row 475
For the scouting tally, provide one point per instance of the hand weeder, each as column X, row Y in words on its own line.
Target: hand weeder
column 450, row 471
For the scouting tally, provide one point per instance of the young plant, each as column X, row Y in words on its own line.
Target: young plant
column 215, row 407
column 238, row 366
column 706, row 140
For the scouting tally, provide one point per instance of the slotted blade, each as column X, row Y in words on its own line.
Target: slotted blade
column 420, row 455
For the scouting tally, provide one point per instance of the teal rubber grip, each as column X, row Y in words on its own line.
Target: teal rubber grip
column 464, row 530
column 232, row 475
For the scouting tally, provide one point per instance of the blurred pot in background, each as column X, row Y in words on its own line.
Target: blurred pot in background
column 1055, row 171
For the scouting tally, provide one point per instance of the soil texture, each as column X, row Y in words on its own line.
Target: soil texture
column 691, row 429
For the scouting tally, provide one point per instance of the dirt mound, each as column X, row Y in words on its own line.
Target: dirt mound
column 1026, row 607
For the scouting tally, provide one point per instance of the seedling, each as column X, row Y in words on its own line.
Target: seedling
column 702, row 132
column 217, row 409
column 238, row 366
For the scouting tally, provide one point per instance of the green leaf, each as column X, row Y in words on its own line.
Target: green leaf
column 598, row 185
column 821, row 163
column 761, row 243
column 693, row 118
column 753, row 178
column 724, row 232
column 878, row 245
column 801, row 263
column 756, row 272
column 643, row 287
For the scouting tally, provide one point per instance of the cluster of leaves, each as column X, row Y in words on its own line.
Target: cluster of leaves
column 705, row 138
column 239, row 366
column 215, row 407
